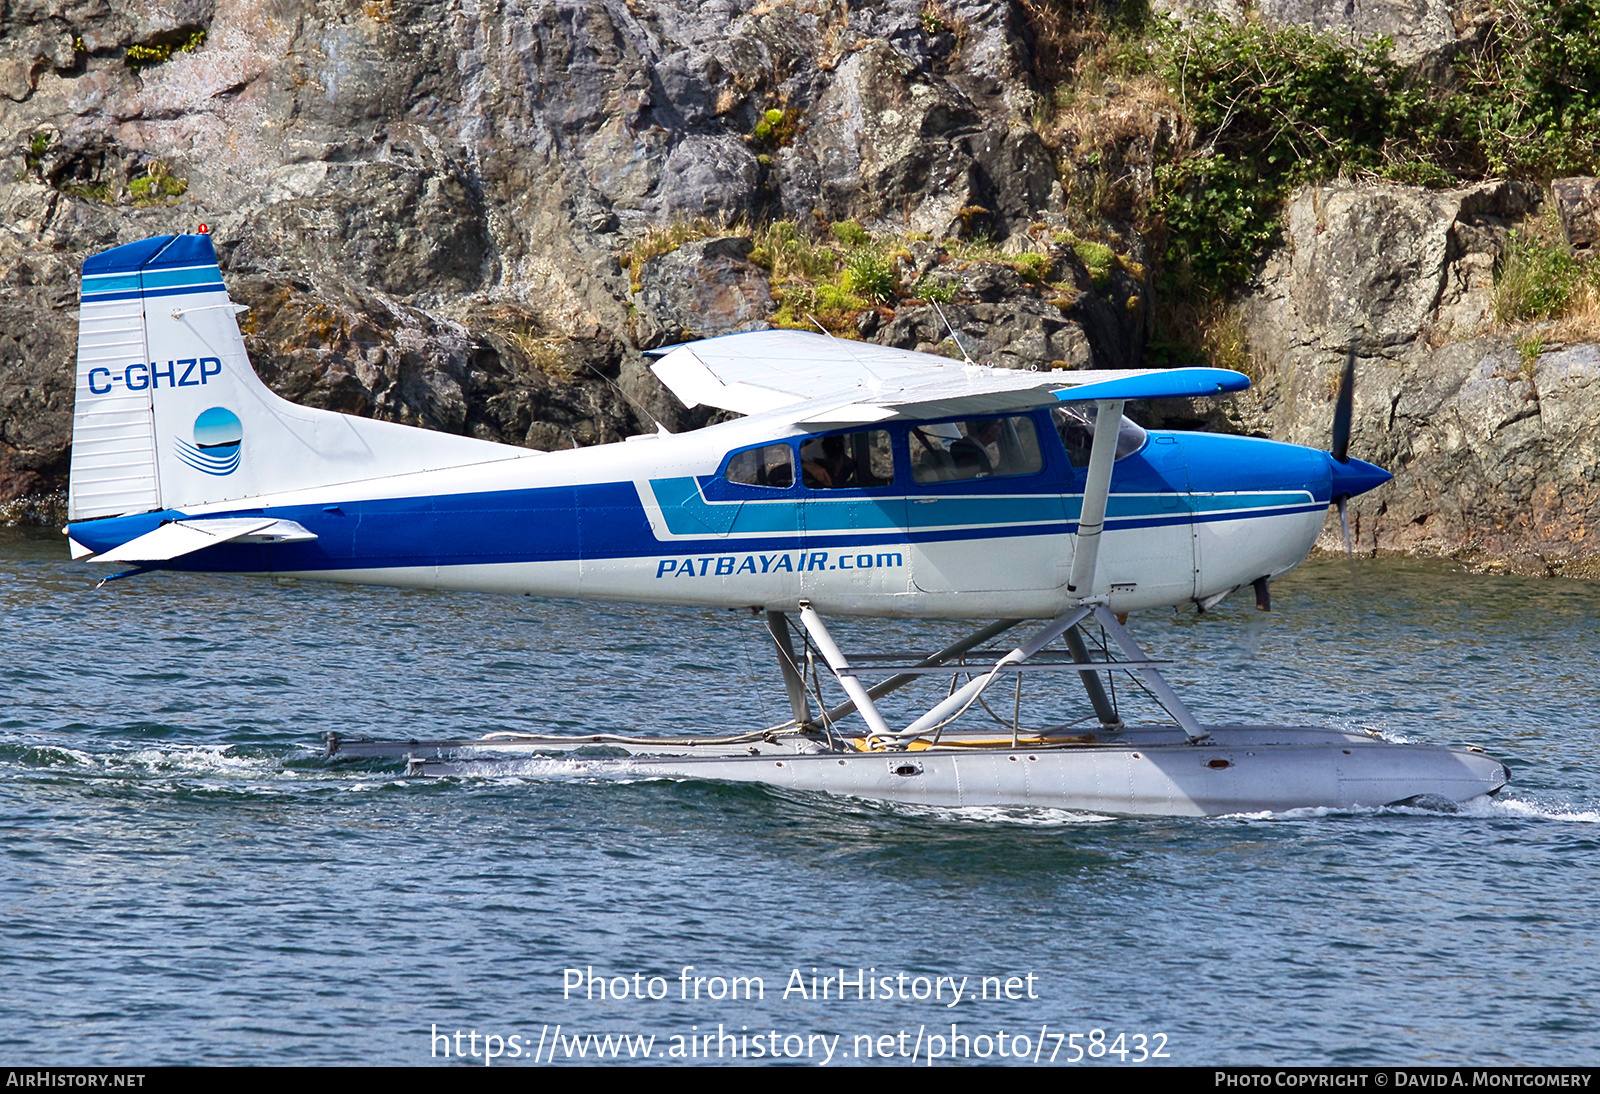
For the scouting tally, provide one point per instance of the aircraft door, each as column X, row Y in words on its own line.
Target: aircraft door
column 853, row 518
column 1154, row 553
column 986, row 506
column 1148, row 547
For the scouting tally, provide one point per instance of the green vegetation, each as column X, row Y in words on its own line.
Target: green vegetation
column 157, row 185
column 937, row 18
column 1098, row 259
column 1235, row 117
column 870, row 274
column 1533, row 96
column 833, row 278
column 778, row 128
column 159, row 53
column 1529, row 347
column 659, row 241
column 850, row 233
column 33, row 157
column 90, row 191
column 935, row 290
column 1273, row 108
column 1539, row 278
column 1035, row 266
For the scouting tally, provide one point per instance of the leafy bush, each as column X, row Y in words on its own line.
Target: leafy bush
column 936, row 290
column 1533, row 96
column 1098, row 259
column 1272, row 107
column 850, row 233
column 1536, row 279
column 870, row 275
column 1276, row 107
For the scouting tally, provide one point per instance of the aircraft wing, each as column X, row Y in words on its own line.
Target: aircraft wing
column 831, row 381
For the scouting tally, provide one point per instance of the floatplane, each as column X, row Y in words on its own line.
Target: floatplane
column 859, row 481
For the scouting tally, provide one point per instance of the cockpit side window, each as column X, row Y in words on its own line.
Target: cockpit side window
column 847, row 461
column 974, row 449
column 770, row 466
column 1076, row 422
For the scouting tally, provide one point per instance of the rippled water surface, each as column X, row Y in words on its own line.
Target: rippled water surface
column 187, row 881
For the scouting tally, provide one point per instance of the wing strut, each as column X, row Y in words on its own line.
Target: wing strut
column 1096, row 492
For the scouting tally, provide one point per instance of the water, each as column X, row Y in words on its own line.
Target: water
column 186, row 881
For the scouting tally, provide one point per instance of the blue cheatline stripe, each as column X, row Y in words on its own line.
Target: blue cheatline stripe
column 688, row 513
column 157, row 282
column 161, row 279
column 100, row 298
column 120, row 282
column 595, row 522
column 1212, row 518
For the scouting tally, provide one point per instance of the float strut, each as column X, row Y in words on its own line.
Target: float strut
column 933, row 660
column 841, row 668
column 964, row 696
column 1153, row 680
column 793, row 682
column 1104, row 709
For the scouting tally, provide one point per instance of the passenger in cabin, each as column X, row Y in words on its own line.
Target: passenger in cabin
column 970, row 454
column 824, row 464
column 770, row 466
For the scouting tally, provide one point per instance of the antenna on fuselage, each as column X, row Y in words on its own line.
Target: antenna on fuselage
column 661, row 430
column 846, row 344
column 954, row 337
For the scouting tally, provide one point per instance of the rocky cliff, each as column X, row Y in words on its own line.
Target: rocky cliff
column 1492, row 435
column 474, row 216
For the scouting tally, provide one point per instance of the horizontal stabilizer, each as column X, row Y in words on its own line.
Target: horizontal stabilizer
column 182, row 537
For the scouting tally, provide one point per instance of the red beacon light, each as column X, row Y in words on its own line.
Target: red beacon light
column 203, row 230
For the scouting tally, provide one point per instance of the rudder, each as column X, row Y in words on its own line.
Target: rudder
column 168, row 412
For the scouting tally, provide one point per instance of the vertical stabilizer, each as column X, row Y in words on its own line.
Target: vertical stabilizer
column 113, row 428
column 169, row 414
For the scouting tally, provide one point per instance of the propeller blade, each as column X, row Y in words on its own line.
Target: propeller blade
column 1344, row 522
column 1344, row 408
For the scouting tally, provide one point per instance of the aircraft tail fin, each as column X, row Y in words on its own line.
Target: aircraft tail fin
column 169, row 414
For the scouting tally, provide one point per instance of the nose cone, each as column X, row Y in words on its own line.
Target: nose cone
column 1355, row 477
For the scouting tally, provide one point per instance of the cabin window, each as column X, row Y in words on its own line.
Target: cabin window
column 770, row 466
column 1075, row 423
column 975, row 449
column 847, row 461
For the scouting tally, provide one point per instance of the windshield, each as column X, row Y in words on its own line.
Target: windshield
column 1075, row 422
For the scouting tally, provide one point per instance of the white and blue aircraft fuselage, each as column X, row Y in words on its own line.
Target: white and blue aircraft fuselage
column 861, row 480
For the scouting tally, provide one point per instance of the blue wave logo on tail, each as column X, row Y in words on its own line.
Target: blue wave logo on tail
column 217, row 437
